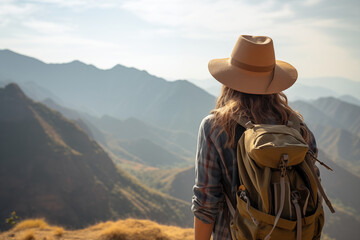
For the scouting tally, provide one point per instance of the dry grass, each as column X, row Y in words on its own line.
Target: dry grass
column 28, row 235
column 132, row 229
column 58, row 231
column 116, row 232
column 31, row 223
column 30, row 228
column 129, row 229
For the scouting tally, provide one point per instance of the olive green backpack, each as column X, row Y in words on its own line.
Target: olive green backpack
column 278, row 194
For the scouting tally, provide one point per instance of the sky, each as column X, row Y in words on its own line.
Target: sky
column 175, row 39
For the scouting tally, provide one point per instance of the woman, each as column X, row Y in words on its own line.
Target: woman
column 253, row 82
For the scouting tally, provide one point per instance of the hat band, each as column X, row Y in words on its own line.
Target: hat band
column 251, row 68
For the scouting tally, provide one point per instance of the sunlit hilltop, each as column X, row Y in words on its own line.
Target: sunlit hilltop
column 129, row 229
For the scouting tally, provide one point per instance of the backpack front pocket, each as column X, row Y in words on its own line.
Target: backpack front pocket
column 244, row 227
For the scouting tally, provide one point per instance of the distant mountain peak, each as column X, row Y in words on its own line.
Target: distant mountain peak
column 10, row 56
column 120, row 67
column 77, row 62
column 6, row 51
column 12, row 89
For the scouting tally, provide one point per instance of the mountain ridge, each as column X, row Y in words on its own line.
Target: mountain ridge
column 59, row 168
column 121, row 92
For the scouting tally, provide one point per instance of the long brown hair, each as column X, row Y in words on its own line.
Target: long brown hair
column 272, row 108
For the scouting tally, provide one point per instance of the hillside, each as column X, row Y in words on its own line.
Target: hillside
column 50, row 168
column 129, row 229
column 346, row 113
column 343, row 146
column 175, row 182
column 32, row 90
column 120, row 91
column 342, row 188
column 134, row 140
column 330, row 111
column 179, row 142
column 335, row 124
column 150, row 154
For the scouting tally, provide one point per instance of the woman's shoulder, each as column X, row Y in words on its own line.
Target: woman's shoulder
column 209, row 129
column 206, row 124
column 207, row 120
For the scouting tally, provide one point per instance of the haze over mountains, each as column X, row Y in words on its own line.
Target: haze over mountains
column 336, row 124
column 120, row 92
column 147, row 126
column 305, row 89
column 50, row 168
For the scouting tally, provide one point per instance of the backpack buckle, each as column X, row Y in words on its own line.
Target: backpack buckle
column 289, row 123
column 249, row 125
column 283, row 164
column 295, row 195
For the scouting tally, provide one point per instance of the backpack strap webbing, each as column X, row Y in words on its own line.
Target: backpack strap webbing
column 230, row 204
column 294, row 121
column 242, row 121
column 320, row 188
column 230, row 207
column 282, row 196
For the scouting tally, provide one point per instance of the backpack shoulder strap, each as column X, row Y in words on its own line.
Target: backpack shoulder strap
column 294, row 121
column 243, row 121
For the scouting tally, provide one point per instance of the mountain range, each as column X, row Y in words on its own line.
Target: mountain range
column 336, row 125
column 120, row 91
column 50, row 168
column 129, row 138
column 148, row 126
column 305, row 89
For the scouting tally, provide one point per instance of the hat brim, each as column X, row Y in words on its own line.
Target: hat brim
column 282, row 77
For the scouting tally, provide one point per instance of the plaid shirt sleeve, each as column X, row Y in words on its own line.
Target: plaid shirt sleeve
column 208, row 195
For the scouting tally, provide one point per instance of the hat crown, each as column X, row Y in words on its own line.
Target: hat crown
column 254, row 50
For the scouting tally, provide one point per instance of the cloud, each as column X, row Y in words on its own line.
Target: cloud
column 215, row 16
column 305, row 39
column 12, row 12
column 47, row 27
column 85, row 4
column 310, row 3
column 176, row 38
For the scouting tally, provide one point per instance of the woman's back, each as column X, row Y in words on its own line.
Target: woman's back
column 251, row 91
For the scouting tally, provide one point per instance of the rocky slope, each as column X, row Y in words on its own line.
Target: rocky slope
column 49, row 167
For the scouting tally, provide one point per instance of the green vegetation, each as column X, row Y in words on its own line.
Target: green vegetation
column 12, row 220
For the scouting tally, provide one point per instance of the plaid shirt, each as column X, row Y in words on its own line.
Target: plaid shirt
column 215, row 168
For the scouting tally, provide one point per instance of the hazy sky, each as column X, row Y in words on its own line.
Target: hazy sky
column 176, row 39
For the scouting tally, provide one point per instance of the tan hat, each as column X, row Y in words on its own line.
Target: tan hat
column 252, row 67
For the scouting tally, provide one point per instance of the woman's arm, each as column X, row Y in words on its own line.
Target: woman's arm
column 202, row 230
column 207, row 189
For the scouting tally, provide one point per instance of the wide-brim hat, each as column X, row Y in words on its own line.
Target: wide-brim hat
column 252, row 67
